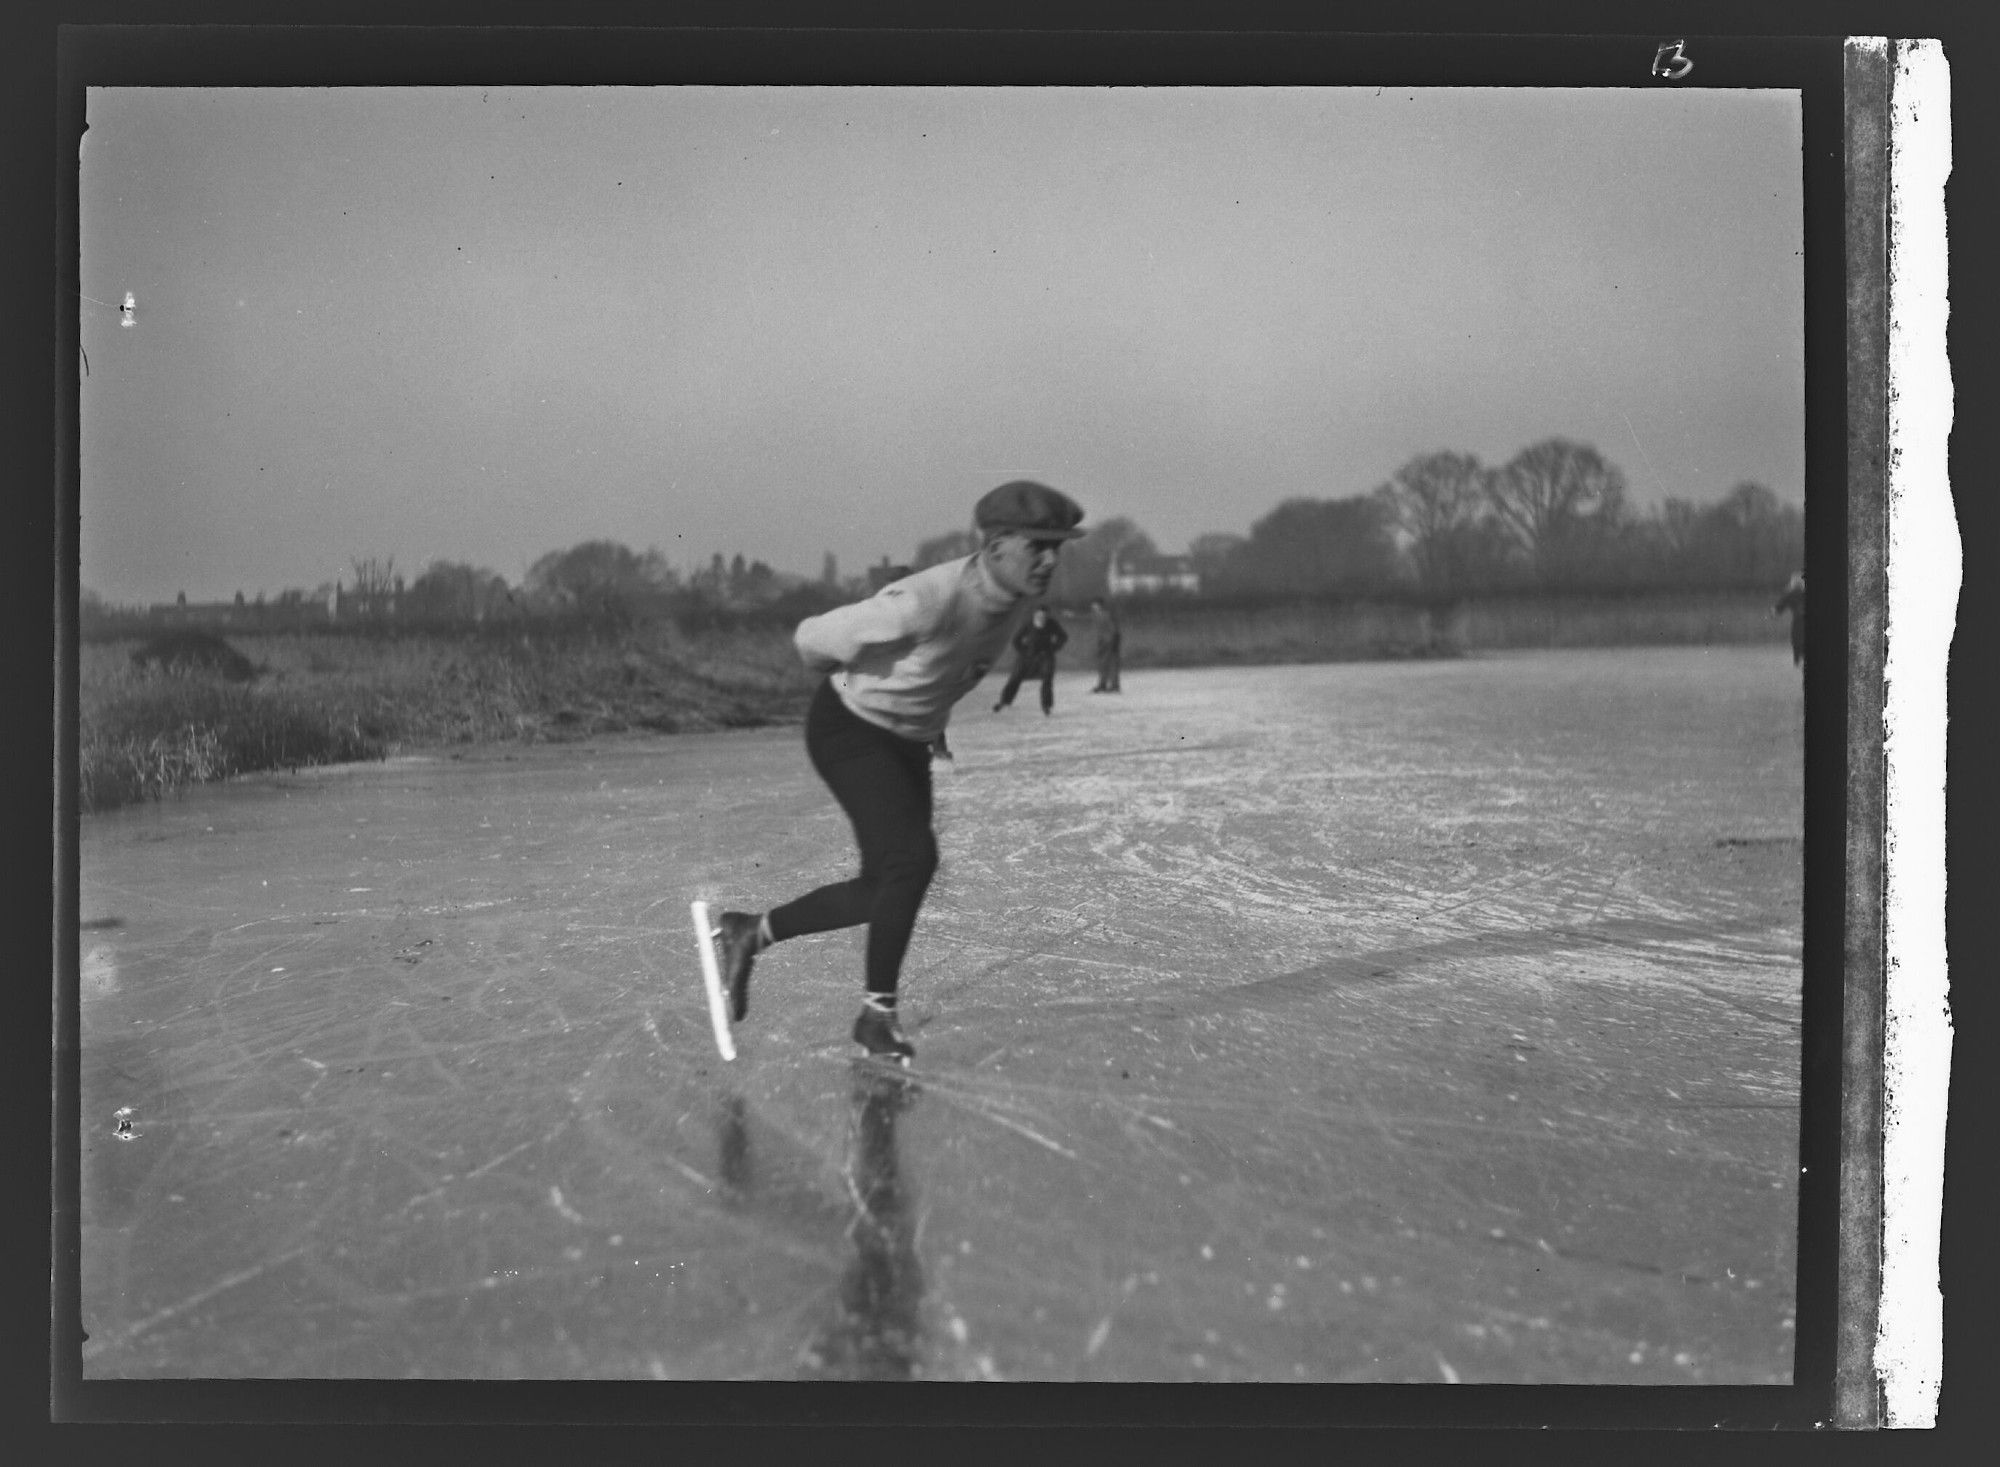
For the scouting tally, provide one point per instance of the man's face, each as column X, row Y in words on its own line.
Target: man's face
column 1023, row 564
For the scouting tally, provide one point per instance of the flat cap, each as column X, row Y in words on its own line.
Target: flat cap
column 1023, row 506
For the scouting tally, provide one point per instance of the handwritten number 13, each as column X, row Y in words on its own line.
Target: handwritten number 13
column 1670, row 63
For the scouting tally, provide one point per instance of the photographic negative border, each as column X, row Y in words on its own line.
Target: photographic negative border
column 1922, row 613
column 1866, row 158
column 1846, row 100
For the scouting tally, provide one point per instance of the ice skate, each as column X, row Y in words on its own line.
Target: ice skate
column 878, row 1032
column 736, row 947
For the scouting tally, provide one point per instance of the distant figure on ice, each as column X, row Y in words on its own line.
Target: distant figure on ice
column 1794, row 601
column 1109, row 640
column 1035, row 648
column 895, row 665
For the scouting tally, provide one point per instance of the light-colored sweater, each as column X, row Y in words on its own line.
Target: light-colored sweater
column 904, row 656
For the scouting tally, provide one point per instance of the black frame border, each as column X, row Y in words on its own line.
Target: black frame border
column 1837, row 689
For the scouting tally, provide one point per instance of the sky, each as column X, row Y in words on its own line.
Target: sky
column 481, row 324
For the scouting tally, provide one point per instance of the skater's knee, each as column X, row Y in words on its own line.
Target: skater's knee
column 910, row 863
column 914, row 862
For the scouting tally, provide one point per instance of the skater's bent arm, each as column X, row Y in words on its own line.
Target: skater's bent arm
column 835, row 638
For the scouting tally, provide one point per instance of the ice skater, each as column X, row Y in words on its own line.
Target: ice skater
column 896, row 663
column 1794, row 601
column 1035, row 648
column 1110, row 642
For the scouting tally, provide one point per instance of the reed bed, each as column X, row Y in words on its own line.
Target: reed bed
column 1170, row 632
column 329, row 697
column 145, row 732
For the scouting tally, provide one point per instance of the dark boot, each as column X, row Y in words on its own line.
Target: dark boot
column 736, row 947
column 878, row 1032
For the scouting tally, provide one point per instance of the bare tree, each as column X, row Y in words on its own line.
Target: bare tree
column 374, row 580
column 1316, row 546
column 1215, row 555
column 1558, row 497
column 1680, row 523
column 449, row 591
column 1434, row 501
column 1748, row 537
column 600, row 578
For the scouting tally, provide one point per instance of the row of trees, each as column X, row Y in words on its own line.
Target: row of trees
column 596, row 580
column 1554, row 517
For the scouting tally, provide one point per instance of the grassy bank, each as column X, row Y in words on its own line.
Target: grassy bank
column 1656, row 619
column 1188, row 633
column 325, row 698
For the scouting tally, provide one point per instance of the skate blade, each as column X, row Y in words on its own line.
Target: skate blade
column 711, row 978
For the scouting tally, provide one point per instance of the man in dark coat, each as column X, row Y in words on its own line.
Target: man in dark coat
column 1794, row 601
column 1109, row 642
column 1035, row 648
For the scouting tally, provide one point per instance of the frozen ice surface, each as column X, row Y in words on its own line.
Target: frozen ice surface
column 1399, row 1022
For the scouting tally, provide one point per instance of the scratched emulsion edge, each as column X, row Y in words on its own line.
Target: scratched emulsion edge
column 1857, row 1395
column 65, row 1158
column 1922, row 602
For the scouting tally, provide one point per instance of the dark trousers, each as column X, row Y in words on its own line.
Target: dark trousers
column 1107, row 668
column 883, row 782
column 1023, row 670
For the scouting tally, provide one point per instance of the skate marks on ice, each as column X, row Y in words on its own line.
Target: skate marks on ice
column 1315, row 1195
column 353, row 1139
column 1575, row 988
column 394, row 1135
column 1389, row 1036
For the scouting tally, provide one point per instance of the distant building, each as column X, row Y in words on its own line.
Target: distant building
column 345, row 603
column 290, row 608
column 1146, row 574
